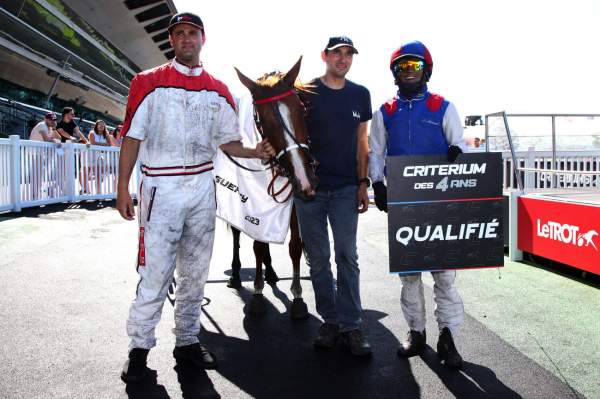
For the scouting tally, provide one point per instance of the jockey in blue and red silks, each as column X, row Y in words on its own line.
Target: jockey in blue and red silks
column 417, row 122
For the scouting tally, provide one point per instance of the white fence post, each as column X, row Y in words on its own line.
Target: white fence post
column 514, row 253
column 70, row 172
column 530, row 163
column 15, row 172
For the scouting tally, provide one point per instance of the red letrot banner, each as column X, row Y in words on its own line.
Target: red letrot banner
column 565, row 232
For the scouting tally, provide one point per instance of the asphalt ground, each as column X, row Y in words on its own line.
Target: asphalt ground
column 67, row 276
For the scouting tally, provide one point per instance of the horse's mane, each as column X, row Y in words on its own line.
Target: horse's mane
column 272, row 78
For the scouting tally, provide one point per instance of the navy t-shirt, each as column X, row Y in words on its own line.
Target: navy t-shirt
column 68, row 127
column 333, row 116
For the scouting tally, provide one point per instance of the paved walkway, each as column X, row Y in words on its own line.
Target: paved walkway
column 67, row 274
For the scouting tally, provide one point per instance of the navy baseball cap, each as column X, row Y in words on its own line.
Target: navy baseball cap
column 50, row 115
column 186, row 18
column 339, row 41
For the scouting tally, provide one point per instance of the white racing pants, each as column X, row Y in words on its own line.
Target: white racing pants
column 177, row 225
column 449, row 310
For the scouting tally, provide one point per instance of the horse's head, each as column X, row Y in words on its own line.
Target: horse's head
column 280, row 118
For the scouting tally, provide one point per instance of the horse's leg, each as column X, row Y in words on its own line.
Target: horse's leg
column 235, row 281
column 257, row 303
column 270, row 275
column 299, row 309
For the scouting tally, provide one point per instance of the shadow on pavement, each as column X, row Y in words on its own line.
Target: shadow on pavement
column 572, row 273
column 36, row 211
column 472, row 381
column 146, row 389
column 278, row 360
column 195, row 384
column 247, row 274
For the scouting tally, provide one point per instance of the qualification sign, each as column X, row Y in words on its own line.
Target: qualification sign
column 444, row 216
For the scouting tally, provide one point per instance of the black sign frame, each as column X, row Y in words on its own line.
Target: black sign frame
column 445, row 216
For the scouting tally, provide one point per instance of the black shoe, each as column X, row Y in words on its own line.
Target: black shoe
column 196, row 354
column 134, row 369
column 328, row 335
column 414, row 344
column 357, row 343
column 447, row 350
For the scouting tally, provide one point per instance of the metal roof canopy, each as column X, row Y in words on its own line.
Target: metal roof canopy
column 50, row 54
column 126, row 23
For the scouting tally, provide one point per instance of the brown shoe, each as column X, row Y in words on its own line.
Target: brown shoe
column 356, row 342
column 328, row 335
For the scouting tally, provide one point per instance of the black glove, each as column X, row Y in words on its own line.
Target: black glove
column 453, row 152
column 380, row 192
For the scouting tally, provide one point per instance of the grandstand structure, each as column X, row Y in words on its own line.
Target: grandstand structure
column 77, row 53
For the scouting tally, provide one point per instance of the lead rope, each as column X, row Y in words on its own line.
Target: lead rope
column 271, row 187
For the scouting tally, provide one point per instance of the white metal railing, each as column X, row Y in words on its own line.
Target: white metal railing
column 47, row 173
column 574, row 169
column 34, row 173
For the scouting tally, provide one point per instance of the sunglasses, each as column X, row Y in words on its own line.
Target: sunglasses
column 409, row 66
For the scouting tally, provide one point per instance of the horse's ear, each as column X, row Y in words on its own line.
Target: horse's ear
column 292, row 74
column 246, row 81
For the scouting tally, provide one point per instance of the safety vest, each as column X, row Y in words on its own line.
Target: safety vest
column 414, row 126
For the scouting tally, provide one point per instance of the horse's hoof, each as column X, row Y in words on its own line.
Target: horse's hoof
column 299, row 309
column 271, row 277
column 234, row 282
column 257, row 305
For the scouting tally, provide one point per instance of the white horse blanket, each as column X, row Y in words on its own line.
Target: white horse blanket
column 242, row 198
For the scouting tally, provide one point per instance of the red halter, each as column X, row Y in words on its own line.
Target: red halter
column 275, row 98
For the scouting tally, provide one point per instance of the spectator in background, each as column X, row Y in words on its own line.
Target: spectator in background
column 97, row 163
column 99, row 134
column 115, row 136
column 46, row 130
column 68, row 129
column 38, row 169
column 116, row 140
column 476, row 142
column 482, row 144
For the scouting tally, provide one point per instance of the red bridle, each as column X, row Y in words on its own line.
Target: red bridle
column 275, row 98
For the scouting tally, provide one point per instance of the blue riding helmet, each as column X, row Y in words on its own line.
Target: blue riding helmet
column 413, row 49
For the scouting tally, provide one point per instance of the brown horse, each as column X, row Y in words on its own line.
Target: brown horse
column 279, row 116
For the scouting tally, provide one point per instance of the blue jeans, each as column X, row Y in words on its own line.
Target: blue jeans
column 342, row 305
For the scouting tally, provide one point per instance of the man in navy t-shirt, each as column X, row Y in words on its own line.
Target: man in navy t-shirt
column 338, row 112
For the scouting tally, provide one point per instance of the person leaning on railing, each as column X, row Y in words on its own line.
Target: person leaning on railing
column 45, row 130
column 68, row 129
column 39, row 166
column 98, row 136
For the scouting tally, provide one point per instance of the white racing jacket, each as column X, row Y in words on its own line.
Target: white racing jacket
column 172, row 144
column 242, row 198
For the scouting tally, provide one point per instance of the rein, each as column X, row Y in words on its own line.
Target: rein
column 281, row 171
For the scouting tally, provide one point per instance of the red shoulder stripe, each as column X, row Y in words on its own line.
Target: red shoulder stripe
column 219, row 87
column 165, row 76
column 434, row 102
column 391, row 106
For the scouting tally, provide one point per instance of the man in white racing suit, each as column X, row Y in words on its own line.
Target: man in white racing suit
column 177, row 117
column 417, row 122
